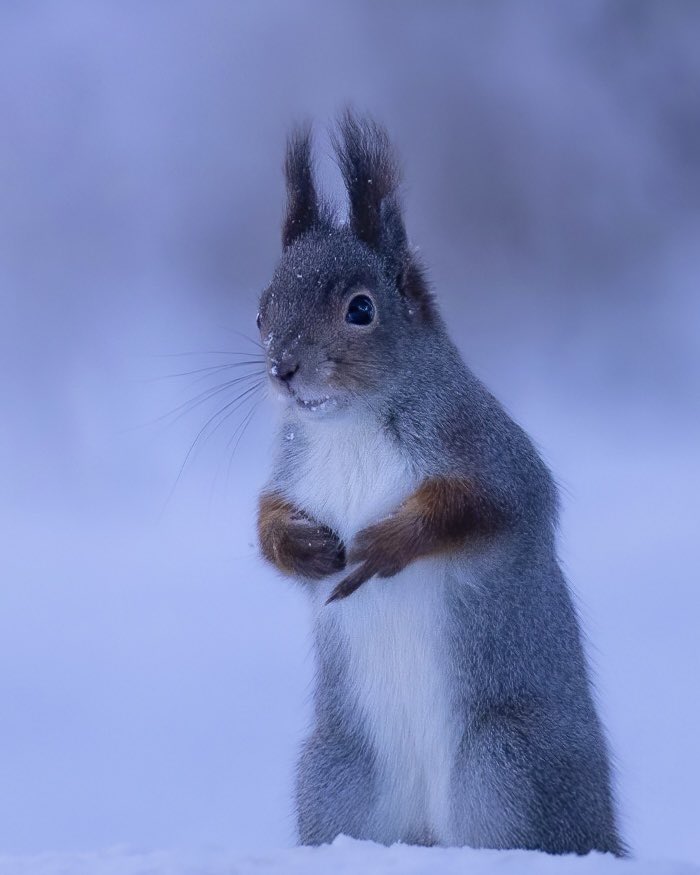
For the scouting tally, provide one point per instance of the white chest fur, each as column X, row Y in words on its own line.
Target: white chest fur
column 351, row 476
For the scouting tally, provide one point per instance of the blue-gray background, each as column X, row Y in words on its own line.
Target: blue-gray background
column 154, row 676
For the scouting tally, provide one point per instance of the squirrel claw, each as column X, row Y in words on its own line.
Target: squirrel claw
column 352, row 582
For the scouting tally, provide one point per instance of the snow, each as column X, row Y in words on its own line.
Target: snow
column 344, row 857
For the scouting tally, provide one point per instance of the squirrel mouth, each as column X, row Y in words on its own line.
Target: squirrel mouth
column 315, row 405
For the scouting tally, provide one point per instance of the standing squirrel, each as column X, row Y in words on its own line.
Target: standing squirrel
column 452, row 701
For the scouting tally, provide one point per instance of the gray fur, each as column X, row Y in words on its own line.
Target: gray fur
column 530, row 766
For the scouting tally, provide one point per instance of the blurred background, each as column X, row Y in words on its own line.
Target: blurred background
column 154, row 675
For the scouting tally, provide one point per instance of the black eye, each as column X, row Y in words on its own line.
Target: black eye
column 258, row 320
column 360, row 310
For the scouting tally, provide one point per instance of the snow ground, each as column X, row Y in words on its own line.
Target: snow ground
column 344, row 857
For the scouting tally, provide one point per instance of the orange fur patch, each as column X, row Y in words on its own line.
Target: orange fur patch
column 438, row 517
column 295, row 543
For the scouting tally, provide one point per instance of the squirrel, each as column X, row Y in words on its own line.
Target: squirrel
column 452, row 700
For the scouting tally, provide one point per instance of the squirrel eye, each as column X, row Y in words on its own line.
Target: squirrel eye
column 258, row 320
column 360, row 310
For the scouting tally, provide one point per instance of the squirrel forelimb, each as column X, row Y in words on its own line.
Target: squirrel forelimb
column 438, row 517
column 295, row 543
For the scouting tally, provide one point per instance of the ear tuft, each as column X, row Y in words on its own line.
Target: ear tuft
column 303, row 210
column 371, row 176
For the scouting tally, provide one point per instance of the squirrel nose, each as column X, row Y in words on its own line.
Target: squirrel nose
column 285, row 371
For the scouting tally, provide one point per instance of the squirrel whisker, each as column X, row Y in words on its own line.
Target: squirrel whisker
column 204, row 434
column 187, row 406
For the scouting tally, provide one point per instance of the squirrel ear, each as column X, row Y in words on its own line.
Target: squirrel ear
column 371, row 176
column 303, row 211
column 393, row 240
column 413, row 285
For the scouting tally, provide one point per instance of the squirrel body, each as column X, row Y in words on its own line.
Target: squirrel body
column 452, row 702
column 389, row 632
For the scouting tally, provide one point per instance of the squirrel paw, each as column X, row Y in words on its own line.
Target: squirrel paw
column 380, row 550
column 295, row 543
column 310, row 549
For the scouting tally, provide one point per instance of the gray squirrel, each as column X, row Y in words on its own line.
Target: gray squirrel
column 452, row 702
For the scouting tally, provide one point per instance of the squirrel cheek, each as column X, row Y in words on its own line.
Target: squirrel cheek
column 325, row 371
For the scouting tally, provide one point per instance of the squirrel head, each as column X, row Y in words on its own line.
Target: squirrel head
column 346, row 300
